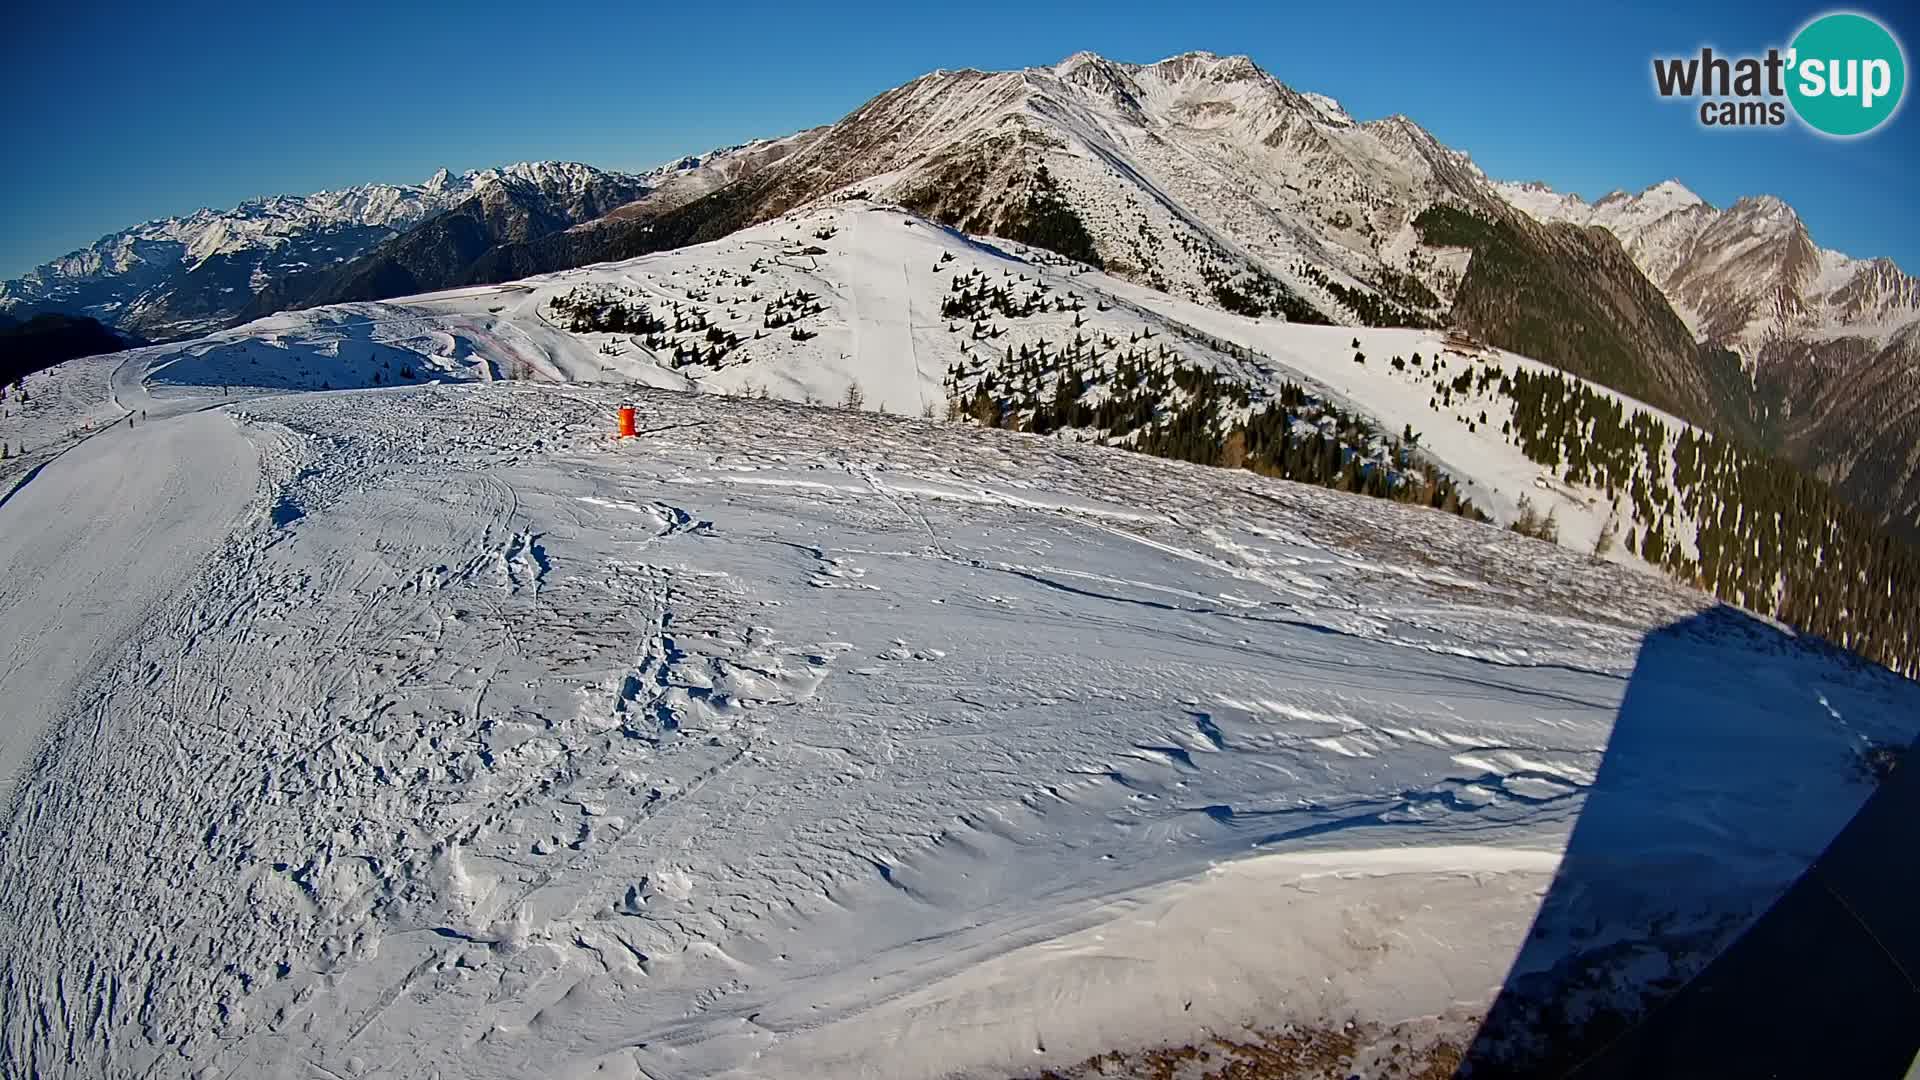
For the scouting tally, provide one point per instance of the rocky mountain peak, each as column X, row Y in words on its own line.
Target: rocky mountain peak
column 1101, row 77
column 1673, row 193
column 1199, row 64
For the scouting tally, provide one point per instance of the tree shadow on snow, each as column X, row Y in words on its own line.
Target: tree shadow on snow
column 1739, row 755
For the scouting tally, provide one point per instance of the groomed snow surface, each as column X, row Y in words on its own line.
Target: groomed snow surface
column 431, row 731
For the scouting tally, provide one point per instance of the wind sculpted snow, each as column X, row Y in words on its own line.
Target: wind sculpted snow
column 803, row 742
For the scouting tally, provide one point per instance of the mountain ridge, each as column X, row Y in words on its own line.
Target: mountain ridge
column 1207, row 178
column 875, row 307
column 1741, row 274
column 1830, row 343
column 178, row 275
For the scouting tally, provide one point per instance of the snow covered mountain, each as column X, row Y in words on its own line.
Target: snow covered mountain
column 852, row 302
column 1201, row 175
column 681, row 181
column 1743, row 276
column 441, row 249
column 431, row 730
column 183, row 275
column 1832, row 342
column 1207, row 179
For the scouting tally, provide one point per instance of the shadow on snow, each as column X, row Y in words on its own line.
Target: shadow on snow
column 1721, row 782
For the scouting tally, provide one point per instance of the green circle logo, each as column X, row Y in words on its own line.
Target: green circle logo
column 1848, row 74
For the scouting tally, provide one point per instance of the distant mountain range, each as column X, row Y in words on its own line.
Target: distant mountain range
column 180, row 276
column 1200, row 175
column 183, row 276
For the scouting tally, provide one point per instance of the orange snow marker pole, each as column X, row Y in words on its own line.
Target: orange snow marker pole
column 626, row 421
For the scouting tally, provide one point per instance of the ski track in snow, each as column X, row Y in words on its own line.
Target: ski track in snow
column 484, row 745
column 81, row 573
column 881, row 328
column 58, row 411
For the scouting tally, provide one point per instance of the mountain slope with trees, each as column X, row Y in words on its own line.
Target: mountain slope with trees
column 873, row 307
column 1209, row 180
column 1830, row 344
column 45, row 340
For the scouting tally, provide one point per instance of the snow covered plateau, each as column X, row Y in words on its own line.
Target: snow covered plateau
column 371, row 710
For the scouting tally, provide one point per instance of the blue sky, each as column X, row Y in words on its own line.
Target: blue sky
column 120, row 113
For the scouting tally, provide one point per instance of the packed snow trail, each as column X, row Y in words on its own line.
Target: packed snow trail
column 881, row 314
column 778, row 741
column 99, row 536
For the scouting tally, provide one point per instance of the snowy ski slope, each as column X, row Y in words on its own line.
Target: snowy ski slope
column 881, row 278
column 428, row 730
